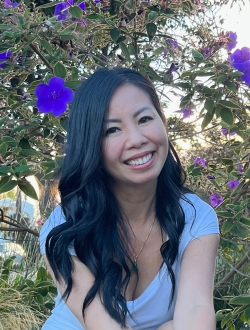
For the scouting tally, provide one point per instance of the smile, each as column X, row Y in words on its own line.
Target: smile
column 140, row 161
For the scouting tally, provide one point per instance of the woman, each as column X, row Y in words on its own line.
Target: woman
column 129, row 247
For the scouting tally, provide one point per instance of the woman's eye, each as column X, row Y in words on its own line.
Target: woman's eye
column 145, row 119
column 111, row 130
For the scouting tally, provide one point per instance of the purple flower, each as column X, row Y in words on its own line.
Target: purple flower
column 232, row 40
column 186, row 112
column 224, row 131
column 165, row 52
column 233, row 184
column 199, row 162
column 240, row 168
column 61, row 10
column 245, row 68
column 53, row 97
column 211, row 177
column 172, row 43
column 206, row 52
column 4, row 58
column 240, row 56
column 173, row 67
column 216, row 199
column 8, row 4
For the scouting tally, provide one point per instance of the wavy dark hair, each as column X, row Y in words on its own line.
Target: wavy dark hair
column 91, row 210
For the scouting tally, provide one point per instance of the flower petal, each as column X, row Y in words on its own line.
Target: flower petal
column 44, row 106
column 82, row 5
column 56, row 84
column 42, row 91
column 66, row 95
column 58, row 107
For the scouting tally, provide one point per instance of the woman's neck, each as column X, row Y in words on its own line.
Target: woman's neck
column 137, row 202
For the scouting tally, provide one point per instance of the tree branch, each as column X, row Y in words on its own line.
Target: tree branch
column 234, row 271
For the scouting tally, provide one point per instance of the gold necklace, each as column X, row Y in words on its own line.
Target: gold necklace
column 135, row 265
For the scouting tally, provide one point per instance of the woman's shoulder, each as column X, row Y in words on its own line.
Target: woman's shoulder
column 194, row 206
column 200, row 219
column 55, row 219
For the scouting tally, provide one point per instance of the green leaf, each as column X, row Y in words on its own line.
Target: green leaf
column 151, row 30
column 29, row 152
column 41, row 274
column 198, row 57
column 65, row 37
column 27, row 188
column 236, row 74
column 152, row 74
column 227, row 161
column 225, row 214
column 240, row 300
column 121, row 39
column 221, row 78
column 245, row 221
column 4, row 180
column 5, row 169
column 240, row 231
column 73, row 84
column 24, row 144
column 248, row 174
column 206, row 120
column 125, row 51
column 76, row 12
column 69, row 29
column 22, row 168
column 46, row 45
column 183, row 85
column 59, row 69
column 93, row 16
column 227, row 116
column 8, row 186
column 114, row 34
column 3, row 120
column 131, row 49
column 152, row 15
column 186, row 100
column 209, row 106
column 226, row 227
column 229, row 104
column 3, row 149
column 9, row 141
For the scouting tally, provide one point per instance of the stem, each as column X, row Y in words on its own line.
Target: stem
column 33, row 232
column 234, row 271
column 34, row 48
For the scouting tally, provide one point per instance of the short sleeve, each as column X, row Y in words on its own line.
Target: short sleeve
column 200, row 220
column 56, row 218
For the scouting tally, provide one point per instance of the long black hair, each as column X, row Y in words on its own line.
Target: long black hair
column 91, row 210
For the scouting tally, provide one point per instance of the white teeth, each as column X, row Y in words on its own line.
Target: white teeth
column 140, row 161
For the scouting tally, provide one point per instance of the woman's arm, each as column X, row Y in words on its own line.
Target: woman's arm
column 194, row 306
column 96, row 317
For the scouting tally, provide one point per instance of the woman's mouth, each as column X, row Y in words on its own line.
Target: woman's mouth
column 140, row 161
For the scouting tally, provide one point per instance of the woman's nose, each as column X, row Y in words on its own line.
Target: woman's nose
column 135, row 139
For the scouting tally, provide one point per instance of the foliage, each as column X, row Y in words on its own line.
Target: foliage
column 24, row 301
column 185, row 54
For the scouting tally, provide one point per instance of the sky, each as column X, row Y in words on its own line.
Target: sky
column 238, row 21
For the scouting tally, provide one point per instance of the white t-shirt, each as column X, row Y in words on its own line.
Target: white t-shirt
column 150, row 309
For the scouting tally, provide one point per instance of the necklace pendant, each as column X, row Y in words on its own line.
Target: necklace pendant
column 135, row 267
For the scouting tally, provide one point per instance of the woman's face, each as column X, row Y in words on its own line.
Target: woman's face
column 135, row 145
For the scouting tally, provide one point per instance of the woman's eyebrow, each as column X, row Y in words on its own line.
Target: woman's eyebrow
column 113, row 120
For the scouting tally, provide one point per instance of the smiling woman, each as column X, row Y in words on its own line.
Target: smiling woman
column 129, row 246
